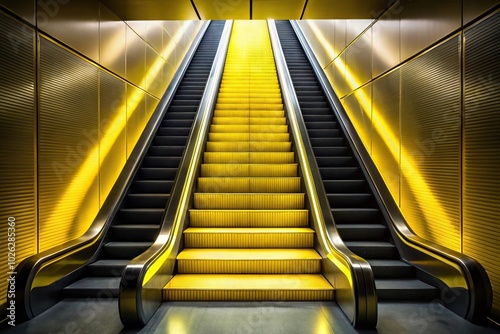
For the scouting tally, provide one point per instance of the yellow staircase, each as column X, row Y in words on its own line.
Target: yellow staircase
column 249, row 237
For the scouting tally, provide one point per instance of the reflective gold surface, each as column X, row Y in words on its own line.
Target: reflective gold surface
column 153, row 9
column 338, row 9
column 277, row 9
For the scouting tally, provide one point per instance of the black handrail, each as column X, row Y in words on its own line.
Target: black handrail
column 351, row 276
column 143, row 279
column 41, row 277
column 464, row 284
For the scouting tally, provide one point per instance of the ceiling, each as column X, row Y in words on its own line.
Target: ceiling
column 246, row 9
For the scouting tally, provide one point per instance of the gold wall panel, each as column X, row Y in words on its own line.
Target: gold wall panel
column 136, row 58
column 358, row 59
column 474, row 8
column 340, row 36
column 337, row 71
column 154, row 34
column 339, row 9
column 386, row 44
column 24, row 9
column 154, row 72
column 354, row 28
column 321, row 37
column 481, row 151
column 136, row 115
column 358, row 107
column 17, row 138
column 112, row 49
column 112, row 131
column 223, row 9
column 425, row 22
column 385, row 130
column 153, row 9
column 151, row 103
column 68, row 160
column 75, row 23
column 430, row 157
column 277, row 9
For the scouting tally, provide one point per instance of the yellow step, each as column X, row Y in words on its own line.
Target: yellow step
column 249, row 261
column 248, row 287
column 242, row 237
column 249, row 113
column 249, row 128
column 249, row 90
column 248, row 218
column 249, row 184
column 251, row 106
column 231, row 169
column 248, row 146
column 249, row 120
column 249, row 157
column 253, row 137
column 255, row 95
column 259, row 201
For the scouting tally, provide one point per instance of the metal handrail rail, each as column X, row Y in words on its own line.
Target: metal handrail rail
column 40, row 277
column 454, row 271
column 351, row 276
column 144, row 278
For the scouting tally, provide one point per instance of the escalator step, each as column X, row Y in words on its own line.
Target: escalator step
column 141, row 216
column 405, row 289
column 161, row 162
column 107, row 268
column 373, row 249
column 345, row 161
column 356, row 215
column 174, row 151
column 362, row 232
column 146, row 201
column 328, row 142
column 340, row 173
column 93, row 287
column 124, row 250
column 345, row 186
column 353, row 200
column 151, row 187
column 177, row 131
column 170, row 140
column 391, row 269
column 156, row 173
column 331, row 151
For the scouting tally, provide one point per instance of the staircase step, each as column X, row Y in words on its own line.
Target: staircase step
column 248, row 146
column 244, row 201
column 93, row 287
column 252, row 170
column 200, row 237
column 107, row 268
column 249, row 184
column 249, row 157
column 391, row 269
column 248, row 287
column 253, row 137
column 248, row 261
column 233, row 120
column 248, row 218
column 249, row 128
column 405, row 289
column 372, row 249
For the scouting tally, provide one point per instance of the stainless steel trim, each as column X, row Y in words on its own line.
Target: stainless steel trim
column 351, row 275
column 41, row 277
column 464, row 284
column 143, row 279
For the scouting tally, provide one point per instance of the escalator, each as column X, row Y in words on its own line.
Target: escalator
column 249, row 236
column 358, row 217
column 92, row 266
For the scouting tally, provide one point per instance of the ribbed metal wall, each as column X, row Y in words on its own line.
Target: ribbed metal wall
column 481, row 151
column 386, row 139
column 17, row 138
column 430, row 156
column 68, row 160
column 112, row 133
column 358, row 106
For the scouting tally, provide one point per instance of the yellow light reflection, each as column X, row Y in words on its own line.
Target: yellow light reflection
column 433, row 210
column 81, row 183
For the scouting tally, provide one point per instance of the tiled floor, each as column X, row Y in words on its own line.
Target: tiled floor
column 88, row 316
